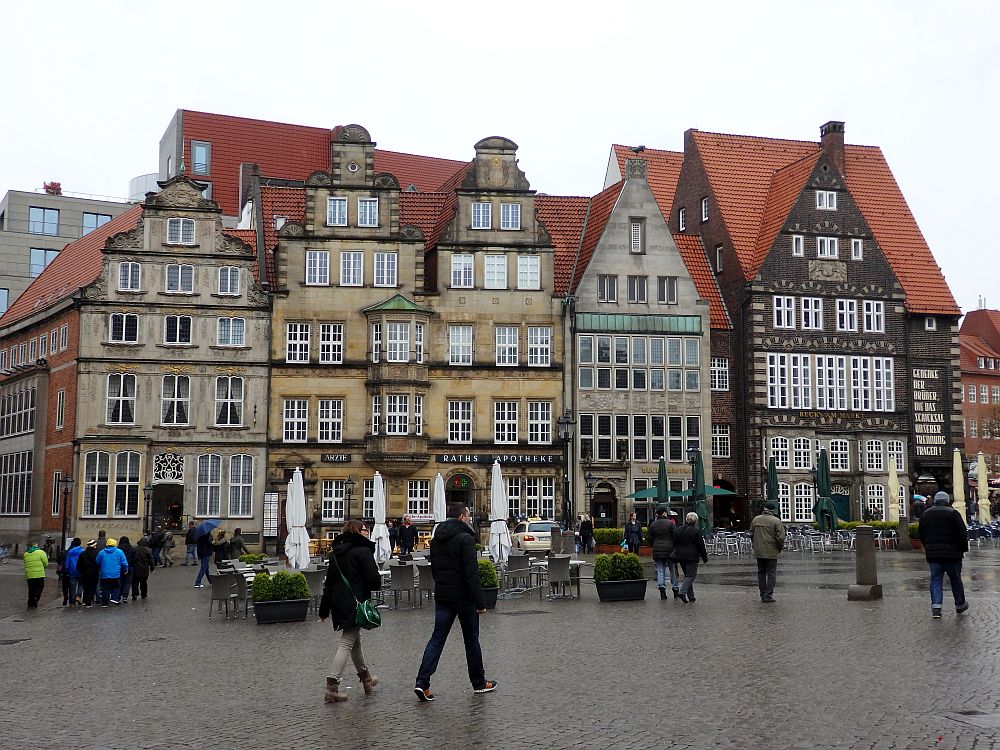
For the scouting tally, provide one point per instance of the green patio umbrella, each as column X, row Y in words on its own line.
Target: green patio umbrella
column 824, row 510
column 772, row 482
column 698, row 495
column 709, row 491
column 661, row 481
column 653, row 493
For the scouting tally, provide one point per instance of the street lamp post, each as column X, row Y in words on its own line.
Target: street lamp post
column 590, row 491
column 566, row 423
column 65, row 483
column 349, row 485
column 693, row 461
column 147, row 493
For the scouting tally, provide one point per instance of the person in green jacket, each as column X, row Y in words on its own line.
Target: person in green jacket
column 35, row 562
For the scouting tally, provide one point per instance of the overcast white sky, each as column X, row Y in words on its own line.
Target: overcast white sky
column 90, row 87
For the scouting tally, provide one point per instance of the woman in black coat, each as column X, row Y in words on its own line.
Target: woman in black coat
column 352, row 557
column 140, row 569
column 689, row 546
column 633, row 534
column 87, row 567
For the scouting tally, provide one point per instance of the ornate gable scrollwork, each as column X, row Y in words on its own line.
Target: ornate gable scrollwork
column 180, row 192
column 386, row 180
column 291, row 229
column 98, row 289
column 168, row 467
column 226, row 244
column 256, row 295
column 544, row 238
column 319, row 179
column 128, row 240
column 353, row 133
column 410, row 232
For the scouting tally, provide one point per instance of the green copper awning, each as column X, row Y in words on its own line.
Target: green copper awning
column 598, row 322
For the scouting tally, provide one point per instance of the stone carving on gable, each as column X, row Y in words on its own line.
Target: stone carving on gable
column 827, row 227
column 291, row 229
column 180, row 192
column 133, row 238
column 319, row 179
column 386, row 180
column 824, row 344
column 98, row 289
column 544, row 238
column 827, row 270
column 168, row 468
column 635, row 169
column 354, row 133
column 226, row 244
column 410, row 232
column 256, row 296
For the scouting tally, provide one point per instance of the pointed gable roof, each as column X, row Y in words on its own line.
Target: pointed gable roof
column 601, row 207
column 983, row 323
column 564, row 218
column 741, row 170
column 397, row 303
column 692, row 250
column 76, row 265
column 663, row 172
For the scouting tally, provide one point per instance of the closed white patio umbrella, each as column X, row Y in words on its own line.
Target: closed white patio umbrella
column 499, row 533
column 958, row 484
column 439, row 509
column 983, row 490
column 297, row 541
column 380, row 532
column 892, row 502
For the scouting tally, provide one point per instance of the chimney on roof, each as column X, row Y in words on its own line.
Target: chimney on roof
column 832, row 143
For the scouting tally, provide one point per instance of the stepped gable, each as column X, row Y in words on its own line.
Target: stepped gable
column 78, row 264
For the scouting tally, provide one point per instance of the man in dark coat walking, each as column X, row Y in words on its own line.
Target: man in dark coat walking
column 661, row 539
column 457, row 593
column 942, row 532
column 407, row 536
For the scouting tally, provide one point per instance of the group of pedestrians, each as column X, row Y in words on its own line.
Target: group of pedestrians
column 403, row 536
column 676, row 545
column 352, row 575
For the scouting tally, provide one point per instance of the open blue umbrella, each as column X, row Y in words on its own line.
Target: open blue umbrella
column 206, row 527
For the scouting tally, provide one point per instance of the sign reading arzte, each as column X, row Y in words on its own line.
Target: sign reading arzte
column 335, row 458
column 503, row 458
column 928, row 417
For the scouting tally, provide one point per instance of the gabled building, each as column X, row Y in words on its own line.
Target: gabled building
column 979, row 341
column 223, row 152
column 845, row 329
column 156, row 358
column 640, row 331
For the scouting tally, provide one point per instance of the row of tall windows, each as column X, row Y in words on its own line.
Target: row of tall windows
column 496, row 267
column 807, row 314
column 638, row 437
column 175, row 400
column 123, row 328
column 27, row 352
column 830, row 382
column 802, row 454
column 641, row 363
column 178, row 278
column 637, row 289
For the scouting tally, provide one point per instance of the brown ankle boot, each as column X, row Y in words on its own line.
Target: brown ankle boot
column 332, row 693
column 368, row 681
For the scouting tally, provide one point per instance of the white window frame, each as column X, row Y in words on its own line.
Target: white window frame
column 129, row 276
column 840, row 455
column 229, row 390
column 826, row 247
column 295, row 420
column 779, row 450
column 235, row 328
column 874, row 316
column 784, row 311
column 460, row 421
column 857, row 248
column 178, row 278
column 397, row 414
column 510, row 216
column 336, row 211
column 847, row 315
column 930, row 323
column 386, row 269
column 539, row 346
column 636, row 236
column 397, row 341
column 803, row 500
column 241, row 486
column 704, row 209
column 332, row 500
column 352, row 268
column 297, row 337
column 367, row 212
column 124, row 400
column 874, row 455
column 812, row 313
column 637, row 288
column 666, row 290
column 798, row 246
column 173, row 400
column 460, row 344
column 719, row 373
column 896, row 449
column 96, row 483
column 482, row 215
column 802, row 453
column 330, row 420
column 418, row 496
column 540, row 422
column 875, row 501
column 507, row 340
column 180, row 232
column 682, row 219
column 721, row 441
column 175, row 336
column 505, row 421
column 317, row 268
column 462, row 271
column 229, row 281
column 826, row 200
column 494, row 271
column 331, row 343
column 60, row 408
column 121, row 337
column 209, row 485
column 529, row 272
column 607, row 287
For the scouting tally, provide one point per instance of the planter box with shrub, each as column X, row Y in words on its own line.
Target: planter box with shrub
column 283, row 597
column 619, row 577
column 489, row 581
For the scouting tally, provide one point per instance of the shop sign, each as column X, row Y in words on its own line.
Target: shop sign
column 928, row 412
column 519, row 459
column 335, row 458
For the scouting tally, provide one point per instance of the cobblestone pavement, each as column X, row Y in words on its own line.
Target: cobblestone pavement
column 811, row 671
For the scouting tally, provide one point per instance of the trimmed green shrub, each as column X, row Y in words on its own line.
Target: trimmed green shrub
column 613, row 536
column 280, row 587
column 487, row 574
column 621, row 566
column 914, row 529
column 253, row 558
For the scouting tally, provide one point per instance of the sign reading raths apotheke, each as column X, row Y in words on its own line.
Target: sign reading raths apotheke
column 929, row 397
column 520, row 459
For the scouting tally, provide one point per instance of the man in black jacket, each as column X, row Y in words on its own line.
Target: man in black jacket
column 457, row 593
column 945, row 539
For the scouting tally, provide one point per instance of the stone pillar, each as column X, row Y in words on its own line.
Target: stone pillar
column 867, row 586
column 903, row 536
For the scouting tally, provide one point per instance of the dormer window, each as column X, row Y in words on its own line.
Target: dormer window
column 826, row 200
column 180, row 231
column 980, row 362
column 336, row 212
column 930, row 323
column 482, row 215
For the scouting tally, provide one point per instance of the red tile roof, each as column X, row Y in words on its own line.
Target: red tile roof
column 425, row 210
column 741, row 171
column 289, row 202
column 786, row 186
column 78, row 264
column 601, row 206
column 249, row 236
column 982, row 323
column 970, row 348
column 695, row 258
column 564, row 218
column 663, row 170
column 289, row 151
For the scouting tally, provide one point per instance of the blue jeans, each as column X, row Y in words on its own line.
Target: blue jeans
column 662, row 568
column 444, row 617
column 110, row 590
column 203, row 570
column 126, row 584
column 954, row 570
column 75, row 589
column 192, row 555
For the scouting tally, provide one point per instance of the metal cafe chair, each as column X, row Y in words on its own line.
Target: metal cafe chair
column 400, row 581
column 558, row 575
